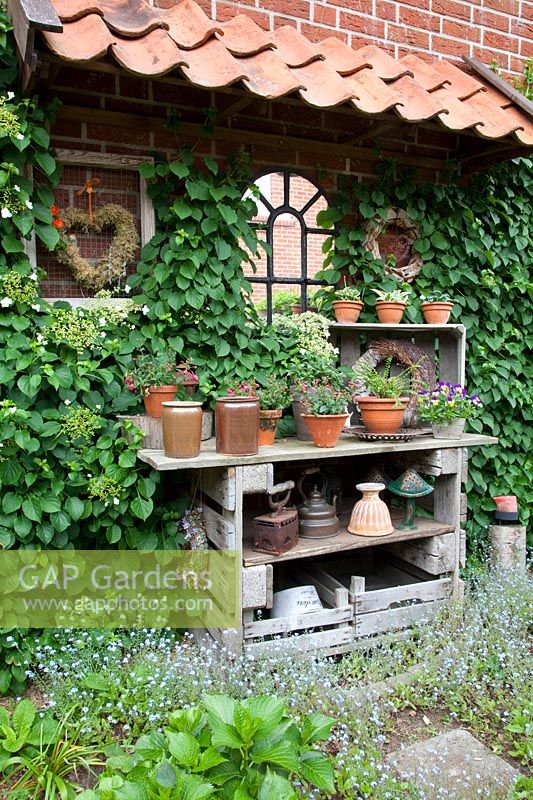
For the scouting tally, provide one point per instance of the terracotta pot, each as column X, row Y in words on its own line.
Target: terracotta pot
column 296, row 309
column 449, row 430
column 155, row 397
column 326, row 428
column 347, row 310
column 237, row 425
column 437, row 313
column 370, row 515
column 390, row 313
column 379, row 414
column 182, row 428
column 268, row 422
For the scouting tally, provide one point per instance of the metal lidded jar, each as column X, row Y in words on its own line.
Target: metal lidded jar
column 237, row 425
column 182, row 428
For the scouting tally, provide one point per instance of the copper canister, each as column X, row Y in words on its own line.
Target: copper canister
column 182, row 428
column 237, row 425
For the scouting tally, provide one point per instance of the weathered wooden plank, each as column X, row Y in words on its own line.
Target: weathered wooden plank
column 329, row 642
column 297, row 622
column 218, row 483
column 257, row 478
column 462, row 547
column 349, row 348
column 427, row 463
column 293, row 451
column 383, row 599
column 229, row 638
column 219, row 530
column 464, row 465
column 91, row 158
column 257, row 583
column 395, row 618
column 435, row 555
column 451, row 358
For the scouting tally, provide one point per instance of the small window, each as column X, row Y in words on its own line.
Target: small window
column 286, row 219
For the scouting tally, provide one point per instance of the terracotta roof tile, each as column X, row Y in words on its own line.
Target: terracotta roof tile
column 293, row 48
column 151, row 41
column 188, row 26
column 243, row 37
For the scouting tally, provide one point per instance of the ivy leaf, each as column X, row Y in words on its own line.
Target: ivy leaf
column 141, row 508
column 439, row 241
column 41, row 137
column 46, row 163
column 48, row 235
column 179, row 169
column 75, row 507
column 223, row 249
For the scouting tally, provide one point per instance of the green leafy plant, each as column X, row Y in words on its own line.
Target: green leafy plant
column 274, row 393
column 436, row 297
column 282, row 301
column 249, row 749
column 348, row 293
column 153, row 369
column 321, row 397
column 520, row 726
column 391, row 296
column 16, row 650
column 447, row 402
column 383, row 384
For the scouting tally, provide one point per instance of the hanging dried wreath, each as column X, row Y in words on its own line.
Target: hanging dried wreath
column 122, row 250
column 376, row 227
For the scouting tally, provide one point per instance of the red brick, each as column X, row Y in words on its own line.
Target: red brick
column 526, row 49
column 85, row 80
column 421, row 5
column 500, row 41
column 527, row 10
column 418, row 19
column 370, row 27
column 73, row 99
column 109, row 133
column 325, row 15
column 505, row 6
column 386, row 10
column 279, row 22
column 66, row 127
column 489, row 57
column 225, row 11
column 296, row 8
column 404, row 51
column 176, row 94
column 130, row 86
column 523, row 29
column 450, row 8
column 450, row 47
column 397, row 33
column 469, row 33
column 488, row 19
column 363, row 6
column 315, row 33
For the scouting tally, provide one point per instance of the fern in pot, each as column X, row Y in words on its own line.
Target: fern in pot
column 386, row 396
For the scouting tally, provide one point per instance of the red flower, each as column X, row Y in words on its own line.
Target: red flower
column 58, row 223
column 54, row 210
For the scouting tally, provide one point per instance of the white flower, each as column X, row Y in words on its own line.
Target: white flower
column 10, row 95
column 116, row 501
column 102, row 321
column 29, row 204
column 16, row 187
column 145, row 309
column 36, row 306
column 127, row 289
column 103, row 334
column 20, row 136
column 33, row 276
column 12, row 409
column 6, row 302
column 6, row 213
column 67, row 402
column 98, row 406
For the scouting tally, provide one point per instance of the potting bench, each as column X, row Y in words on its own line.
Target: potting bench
column 367, row 585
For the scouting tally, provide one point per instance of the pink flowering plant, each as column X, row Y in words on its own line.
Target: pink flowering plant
column 241, row 388
column 321, row 397
column 447, row 402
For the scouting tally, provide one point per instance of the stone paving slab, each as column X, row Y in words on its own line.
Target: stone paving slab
column 454, row 765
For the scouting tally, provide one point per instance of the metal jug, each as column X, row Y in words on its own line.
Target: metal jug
column 317, row 518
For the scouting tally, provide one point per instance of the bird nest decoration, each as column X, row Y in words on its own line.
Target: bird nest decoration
column 406, row 354
column 377, row 226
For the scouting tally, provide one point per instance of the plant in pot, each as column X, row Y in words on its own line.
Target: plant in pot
column 447, row 407
column 390, row 305
column 189, row 379
column 388, row 395
column 347, row 304
column 436, row 308
column 326, row 410
column 155, row 375
column 274, row 396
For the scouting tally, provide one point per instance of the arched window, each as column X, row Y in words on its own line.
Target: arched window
column 288, row 204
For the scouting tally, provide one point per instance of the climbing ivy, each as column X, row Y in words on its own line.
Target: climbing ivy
column 477, row 245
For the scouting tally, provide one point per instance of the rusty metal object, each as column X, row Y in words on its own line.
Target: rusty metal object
column 277, row 532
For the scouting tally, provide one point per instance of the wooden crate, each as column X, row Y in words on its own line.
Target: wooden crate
column 386, row 593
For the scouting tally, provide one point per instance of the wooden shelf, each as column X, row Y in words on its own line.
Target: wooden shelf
column 456, row 331
column 307, row 548
column 293, row 450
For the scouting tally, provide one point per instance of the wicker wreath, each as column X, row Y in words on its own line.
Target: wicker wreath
column 374, row 229
column 122, row 251
column 408, row 355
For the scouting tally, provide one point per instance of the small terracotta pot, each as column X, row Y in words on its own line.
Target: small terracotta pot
column 390, row 313
column 182, row 428
column 237, row 425
column 268, row 422
column 379, row 415
column 326, row 428
column 437, row 313
column 296, row 309
column 347, row 310
column 370, row 515
column 155, row 397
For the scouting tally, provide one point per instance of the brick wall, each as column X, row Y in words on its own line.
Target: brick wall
column 490, row 30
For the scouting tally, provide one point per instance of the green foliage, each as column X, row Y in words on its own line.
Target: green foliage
column 16, row 650
column 348, row 293
column 274, row 393
column 477, row 245
column 391, row 295
column 446, row 403
column 282, row 301
column 249, row 750
column 153, row 369
column 383, row 384
column 520, row 726
column 326, row 396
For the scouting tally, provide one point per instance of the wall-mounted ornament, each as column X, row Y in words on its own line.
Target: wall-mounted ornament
column 376, row 227
column 409, row 485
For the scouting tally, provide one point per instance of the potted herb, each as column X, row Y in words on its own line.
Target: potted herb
column 436, row 308
column 347, row 305
column 382, row 408
column 447, row 407
column 155, row 375
column 390, row 305
column 237, row 419
column 274, row 396
column 326, row 410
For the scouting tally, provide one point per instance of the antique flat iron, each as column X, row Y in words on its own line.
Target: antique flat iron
column 318, row 518
column 277, row 532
